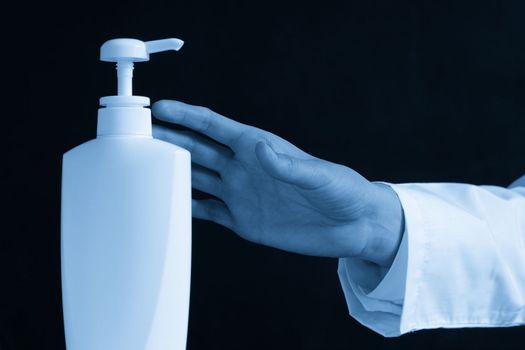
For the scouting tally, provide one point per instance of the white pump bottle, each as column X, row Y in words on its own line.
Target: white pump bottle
column 126, row 224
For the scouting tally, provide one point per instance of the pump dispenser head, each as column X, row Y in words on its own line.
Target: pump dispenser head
column 125, row 52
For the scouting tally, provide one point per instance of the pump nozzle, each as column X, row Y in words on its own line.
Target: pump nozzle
column 126, row 51
column 155, row 46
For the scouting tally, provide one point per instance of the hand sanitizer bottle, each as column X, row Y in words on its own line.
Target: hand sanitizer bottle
column 126, row 224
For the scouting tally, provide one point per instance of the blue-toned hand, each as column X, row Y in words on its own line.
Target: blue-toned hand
column 270, row 192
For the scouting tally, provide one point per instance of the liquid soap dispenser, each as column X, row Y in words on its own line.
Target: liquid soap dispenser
column 126, row 224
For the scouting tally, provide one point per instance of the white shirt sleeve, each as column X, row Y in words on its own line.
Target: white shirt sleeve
column 461, row 262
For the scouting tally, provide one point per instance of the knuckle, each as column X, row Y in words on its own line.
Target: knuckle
column 291, row 164
column 183, row 115
column 219, row 159
column 207, row 115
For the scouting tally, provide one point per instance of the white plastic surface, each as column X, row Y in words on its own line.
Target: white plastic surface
column 126, row 244
column 124, row 101
column 125, row 78
column 126, row 51
column 124, row 121
column 133, row 50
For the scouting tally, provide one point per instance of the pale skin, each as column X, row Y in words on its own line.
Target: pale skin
column 270, row 192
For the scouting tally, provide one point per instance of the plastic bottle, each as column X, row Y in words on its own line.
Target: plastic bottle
column 126, row 224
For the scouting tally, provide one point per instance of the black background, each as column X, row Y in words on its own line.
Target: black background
column 400, row 91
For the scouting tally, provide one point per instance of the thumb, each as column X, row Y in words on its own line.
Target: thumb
column 305, row 173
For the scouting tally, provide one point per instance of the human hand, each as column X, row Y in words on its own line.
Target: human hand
column 270, row 192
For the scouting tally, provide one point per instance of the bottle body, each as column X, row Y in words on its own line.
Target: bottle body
column 126, row 244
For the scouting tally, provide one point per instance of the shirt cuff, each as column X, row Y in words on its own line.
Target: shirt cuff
column 375, row 295
column 392, row 286
column 462, row 267
column 463, row 256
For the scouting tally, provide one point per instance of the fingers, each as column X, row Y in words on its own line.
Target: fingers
column 305, row 173
column 212, row 210
column 203, row 152
column 201, row 119
column 206, row 181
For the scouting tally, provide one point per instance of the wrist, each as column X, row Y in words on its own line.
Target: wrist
column 385, row 226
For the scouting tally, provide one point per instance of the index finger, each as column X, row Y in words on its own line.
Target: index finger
column 200, row 119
